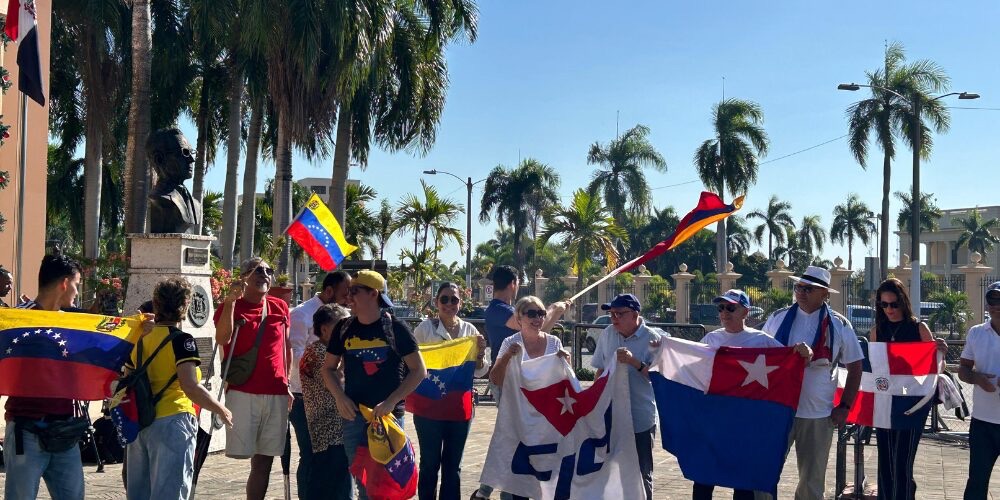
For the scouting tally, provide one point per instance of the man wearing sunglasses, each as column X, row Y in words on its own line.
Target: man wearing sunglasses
column 627, row 341
column 260, row 405
column 172, row 209
column 833, row 341
column 979, row 365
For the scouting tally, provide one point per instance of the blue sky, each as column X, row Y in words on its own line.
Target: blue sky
column 547, row 79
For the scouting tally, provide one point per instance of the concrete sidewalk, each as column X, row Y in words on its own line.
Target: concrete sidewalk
column 941, row 471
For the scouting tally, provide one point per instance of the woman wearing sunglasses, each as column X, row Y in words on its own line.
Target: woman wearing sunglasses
column 895, row 322
column 531, row 341
column 442, row 442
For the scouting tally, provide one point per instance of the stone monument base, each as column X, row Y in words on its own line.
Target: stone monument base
column 155, row 257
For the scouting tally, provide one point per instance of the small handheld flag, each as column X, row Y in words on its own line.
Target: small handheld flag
column 317, row 231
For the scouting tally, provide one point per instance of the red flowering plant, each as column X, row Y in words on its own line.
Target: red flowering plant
column 4, row 179
column 221, row 280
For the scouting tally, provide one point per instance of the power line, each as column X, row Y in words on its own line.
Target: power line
column 968, row 107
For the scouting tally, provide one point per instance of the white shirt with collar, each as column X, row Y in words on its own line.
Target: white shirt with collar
column 429, row 333
column 300, row 336
column 982, row 347
column 819, row 383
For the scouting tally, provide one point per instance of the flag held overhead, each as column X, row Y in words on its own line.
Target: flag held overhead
column 317, row 231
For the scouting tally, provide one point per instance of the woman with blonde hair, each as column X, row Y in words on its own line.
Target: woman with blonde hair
column 530, row 342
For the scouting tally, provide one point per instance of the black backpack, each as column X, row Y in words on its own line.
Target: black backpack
column 138, row 390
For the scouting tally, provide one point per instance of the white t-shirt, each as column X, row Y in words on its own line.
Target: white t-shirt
column 300, row 336
column 982, row 347
column 552, row 345
column 749, row 337
column 819, row 383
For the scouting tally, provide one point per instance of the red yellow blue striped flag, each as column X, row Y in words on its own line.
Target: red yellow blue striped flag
column 317, row 231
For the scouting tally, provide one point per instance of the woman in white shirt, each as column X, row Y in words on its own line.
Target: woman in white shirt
column 531, row 341
column 442, row 442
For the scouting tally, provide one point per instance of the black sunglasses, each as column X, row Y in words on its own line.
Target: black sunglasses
column 267, row 271
column 806, row 289
column 535, row 313
column 356, row 289
column 445, row 299
column 727, row 307
column 993, row 301
column 888, row 305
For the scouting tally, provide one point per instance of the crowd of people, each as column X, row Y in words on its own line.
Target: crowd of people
column 311, row 368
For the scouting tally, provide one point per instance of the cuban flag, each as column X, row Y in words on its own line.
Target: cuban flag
column 726, row 412
column 446, row 391
column 897, row 384
column 22, row 27
column 556, row 440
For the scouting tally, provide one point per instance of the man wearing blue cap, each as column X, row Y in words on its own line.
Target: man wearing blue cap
column 627, row 341
column 979, row 365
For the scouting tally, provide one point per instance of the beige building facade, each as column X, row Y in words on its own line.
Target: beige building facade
column 940, row 253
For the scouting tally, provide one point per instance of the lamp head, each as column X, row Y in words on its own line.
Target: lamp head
column 848, row 86
column 968, row 95
column 430, row 172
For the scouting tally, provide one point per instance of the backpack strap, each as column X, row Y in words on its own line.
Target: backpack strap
column 390, row 334
column 145, row 364
column 260, row 327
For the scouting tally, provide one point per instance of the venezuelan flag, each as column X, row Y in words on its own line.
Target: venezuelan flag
column 710, row 209
column 446, row 392
column 318, row 233
column 386, row 467
column 53, row 354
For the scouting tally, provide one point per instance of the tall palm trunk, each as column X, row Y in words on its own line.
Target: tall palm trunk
column 341, row 165
column 137, row 178
column 232, row 167
column 247, row 210
column 850, row 247
column 282, row 186
column 198, row 183
column 883, row 249
column 93, row 155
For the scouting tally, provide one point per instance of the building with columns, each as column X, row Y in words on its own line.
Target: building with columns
column 941, row 254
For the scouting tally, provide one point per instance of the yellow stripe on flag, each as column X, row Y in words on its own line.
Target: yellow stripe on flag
column 125, row 328
column 448, row 353
column 329, row 222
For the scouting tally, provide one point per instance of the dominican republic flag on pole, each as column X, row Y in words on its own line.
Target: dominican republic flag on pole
column 22, row 27
column 897, row 384
column 726, row 412
column 554, row 440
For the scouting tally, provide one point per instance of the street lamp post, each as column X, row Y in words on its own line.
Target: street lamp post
column 917, row 140
column 468, row 222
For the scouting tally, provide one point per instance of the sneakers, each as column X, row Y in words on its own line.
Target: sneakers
column 476, row 495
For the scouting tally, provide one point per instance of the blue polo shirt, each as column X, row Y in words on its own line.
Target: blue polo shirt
column 639, row 388
column 495, row 317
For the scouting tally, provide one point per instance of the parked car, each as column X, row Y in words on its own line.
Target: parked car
column 589, row 313
column 862, row 318
column 594, row 332
column 704, row 314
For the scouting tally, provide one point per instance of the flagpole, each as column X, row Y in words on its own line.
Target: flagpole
column 610, row 275
column 22, row 169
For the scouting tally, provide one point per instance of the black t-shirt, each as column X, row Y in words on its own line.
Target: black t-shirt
column 372, row 368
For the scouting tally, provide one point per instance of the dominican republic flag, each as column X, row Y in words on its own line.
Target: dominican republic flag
column 897, row 384
column 52, row 354
column 726, row 412
column 446, row 391
column 317, row 231
column 22, row 27
column 554, row 440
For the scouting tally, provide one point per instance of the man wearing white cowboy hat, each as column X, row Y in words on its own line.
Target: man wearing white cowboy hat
column 831, row 336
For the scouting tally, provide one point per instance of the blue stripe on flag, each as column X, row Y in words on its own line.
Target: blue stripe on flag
column 65, row 344
column 451, row 379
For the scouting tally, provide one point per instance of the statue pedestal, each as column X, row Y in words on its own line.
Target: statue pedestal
column 155, row 257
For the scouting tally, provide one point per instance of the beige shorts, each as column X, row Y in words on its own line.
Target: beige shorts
column 260, row 424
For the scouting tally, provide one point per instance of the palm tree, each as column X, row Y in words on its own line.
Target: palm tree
column 588, row 232
column 953, row 313
column 430, row 217
column 737, row 235
column 774, row 220
column 359, row 222
column 516, row 195
column 136, row 168
column 851, row 220
column 384, row 227
column 885, row 114
column 620, row 178
column 212, row 212
column 729, row 160
column 929, row 212
column 811, row 234
column 977, row 233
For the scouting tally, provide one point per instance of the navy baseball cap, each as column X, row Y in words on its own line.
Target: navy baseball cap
column 624, row 300
column 733, row 297
column 994, row 288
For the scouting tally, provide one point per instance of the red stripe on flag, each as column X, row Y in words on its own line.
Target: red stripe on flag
column 50, row 378
column 300, row 233
column 862, row 411
column 453, row 407
column 13, row 16
column 912, row 358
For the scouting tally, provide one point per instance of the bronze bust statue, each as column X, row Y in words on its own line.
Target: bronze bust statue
column 172, row 209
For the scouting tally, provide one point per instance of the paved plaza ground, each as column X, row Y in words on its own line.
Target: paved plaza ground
column 941, row 471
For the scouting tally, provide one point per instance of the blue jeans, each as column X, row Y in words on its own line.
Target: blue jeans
column 62, row 472
column 297, row 418
column 333, row 480
column 161, row 459
column 354, row 436
column 441, row 446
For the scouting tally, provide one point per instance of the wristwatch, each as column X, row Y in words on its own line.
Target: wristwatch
column 642, row 366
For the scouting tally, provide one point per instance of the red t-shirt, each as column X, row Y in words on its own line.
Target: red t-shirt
column 269, row 375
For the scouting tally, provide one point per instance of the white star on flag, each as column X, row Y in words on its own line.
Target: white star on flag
column 57, row 335
column 757, row 371
column 9, row 350
column 49, row 331
column 62, row 343
column 38, row 331
column 25, row 334
column 567, row 402
column 65, row 353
